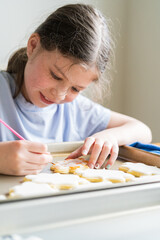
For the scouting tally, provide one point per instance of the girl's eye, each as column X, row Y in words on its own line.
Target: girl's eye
column 75, row 89
column 59, row 79
column 54, row 76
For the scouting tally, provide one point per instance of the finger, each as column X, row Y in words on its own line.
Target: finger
column 30, row 166
column 87, row 145
column 38, row 159
column 113, row 156
column 103, row 155
column 37, row 147
column 28, row 169
column 83, row 150
column 96, row 150
column 77, row 153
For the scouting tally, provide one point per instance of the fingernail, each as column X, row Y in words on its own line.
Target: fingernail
column 97, row 165
column 84, row 152
column 108, row 166
column 91, row 166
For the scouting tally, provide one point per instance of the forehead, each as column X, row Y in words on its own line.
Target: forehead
column 70, row 66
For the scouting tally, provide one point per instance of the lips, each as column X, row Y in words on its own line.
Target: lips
column 45, row 99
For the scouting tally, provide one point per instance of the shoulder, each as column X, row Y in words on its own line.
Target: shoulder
column 7, row 82
column 5, row 76
column 83, row 107
column 85, row 104
column 88, row 117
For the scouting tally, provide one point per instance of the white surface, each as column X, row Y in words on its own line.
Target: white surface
column 115, row 213
column 141, row 224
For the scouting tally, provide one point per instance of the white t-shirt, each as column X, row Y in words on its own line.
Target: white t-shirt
column 72, row 121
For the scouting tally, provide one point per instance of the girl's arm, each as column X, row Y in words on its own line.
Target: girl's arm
column 128, row 130
column 121, row 130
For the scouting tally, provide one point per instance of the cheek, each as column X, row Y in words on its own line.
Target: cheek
column 35, row 76
column 36, row 81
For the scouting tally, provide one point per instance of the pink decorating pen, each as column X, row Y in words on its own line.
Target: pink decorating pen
column 11, row 129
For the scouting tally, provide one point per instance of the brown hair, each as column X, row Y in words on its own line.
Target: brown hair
column 76, row 30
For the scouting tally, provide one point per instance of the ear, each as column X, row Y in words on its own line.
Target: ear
column 33, row 44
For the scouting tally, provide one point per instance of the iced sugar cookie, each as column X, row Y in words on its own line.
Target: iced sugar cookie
column 94, row 185
column 69, row 165
column 28, row 189
column 57, row 180
column 19, row 237
column 148, row 178
column 139, row 169
column 2, row 197
column 100, row 175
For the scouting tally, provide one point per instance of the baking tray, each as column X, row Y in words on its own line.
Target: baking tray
column 61, row 151
column 81, row 212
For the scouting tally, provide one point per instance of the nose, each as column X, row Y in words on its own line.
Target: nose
column 59, row 95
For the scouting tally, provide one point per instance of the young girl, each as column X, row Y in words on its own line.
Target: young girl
column 40, row 95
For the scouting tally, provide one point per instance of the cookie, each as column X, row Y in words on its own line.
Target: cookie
column 2, row 197
column 94, row 185
column 100, row 175
column 148, row 178
column 29, row 189
column 69, row 165
column 57, row 180
column 139, row 169
column 19, row 237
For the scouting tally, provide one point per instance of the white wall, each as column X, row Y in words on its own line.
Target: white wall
column 135, row 87
column 142, row 63
column 19, row 18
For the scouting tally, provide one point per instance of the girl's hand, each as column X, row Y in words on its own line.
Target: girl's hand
column 121, row 130
column 23, row 157
column 99, row 150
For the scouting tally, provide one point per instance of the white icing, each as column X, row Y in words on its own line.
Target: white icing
column 2, row 197
column 83, row 181
column 30, row 189
column 61, row 168
column 95, row 185
column 148, row 178
column 141, row 168
column 103, row 174
column 33, row 238
column 69, row 163
column 18, row 237
column 129, row 176
column 56, row 179
column 42, row 177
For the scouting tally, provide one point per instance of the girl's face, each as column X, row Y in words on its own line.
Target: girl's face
column 50, row 77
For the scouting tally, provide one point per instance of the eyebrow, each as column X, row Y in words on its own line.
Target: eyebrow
column 58, row 69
